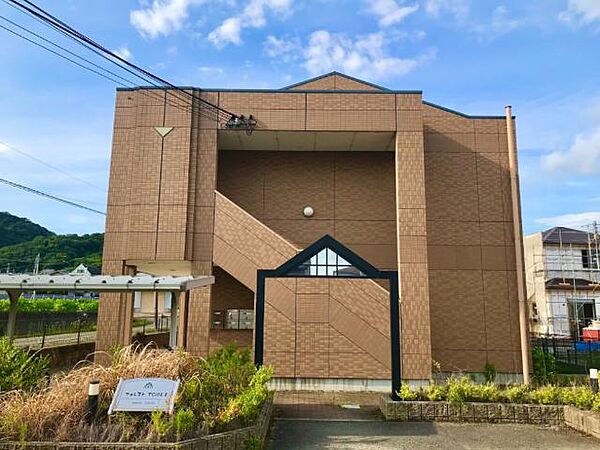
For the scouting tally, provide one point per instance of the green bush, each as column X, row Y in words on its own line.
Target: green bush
column 580, row 396
column 546, row 395
column 435, row 393
column 52, row 305
column 246, row 406
column 19, row 369
column 515, row 394
column 596, row 403
column 489, row 372
column 222, row 392
column 544, row 366
column 405, row 393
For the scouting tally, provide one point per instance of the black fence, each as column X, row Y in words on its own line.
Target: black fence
column 571, row 356
column 52, row 329
column 43, row 329
column 151, row 323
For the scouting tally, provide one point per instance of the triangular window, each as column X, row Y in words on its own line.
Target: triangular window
column 326, row 263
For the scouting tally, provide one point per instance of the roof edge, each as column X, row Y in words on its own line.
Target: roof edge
column 458, row 113
column 333, row 73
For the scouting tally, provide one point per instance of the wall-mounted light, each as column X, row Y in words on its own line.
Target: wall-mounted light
column 308, row 211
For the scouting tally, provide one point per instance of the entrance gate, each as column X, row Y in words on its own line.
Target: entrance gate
column 328, row 258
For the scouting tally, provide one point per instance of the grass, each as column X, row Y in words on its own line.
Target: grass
column 218, row 393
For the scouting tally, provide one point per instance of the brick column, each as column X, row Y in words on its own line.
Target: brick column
column 201, row 211
column 412, row 239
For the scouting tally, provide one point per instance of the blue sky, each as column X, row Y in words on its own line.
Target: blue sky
column 541, row 56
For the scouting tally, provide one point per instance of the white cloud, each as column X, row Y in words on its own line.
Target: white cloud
column 210, row 70
column 390, row 12
column 4, row 148
column 458, row 8
column 576, row 220
column 581, row 12
column 253, row 16
column 163, row 17
column 365, row 56
column 124, row 52
column 500, row 24
column 282, row 49
column 583, row 157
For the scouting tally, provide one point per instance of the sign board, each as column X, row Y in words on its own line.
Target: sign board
column 144, row 395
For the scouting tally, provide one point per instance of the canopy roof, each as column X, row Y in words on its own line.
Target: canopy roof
column 101, row 283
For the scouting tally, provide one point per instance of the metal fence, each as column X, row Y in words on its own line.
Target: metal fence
column 571, row 356
column 51, row 330
column 47, row 329
column 151, row 323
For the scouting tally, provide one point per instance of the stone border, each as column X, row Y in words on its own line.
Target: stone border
column 587, row 422
column 471, row 412
column 229, row 440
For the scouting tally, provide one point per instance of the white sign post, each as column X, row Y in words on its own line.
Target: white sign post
column 144, row 395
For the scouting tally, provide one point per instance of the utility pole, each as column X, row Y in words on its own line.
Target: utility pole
column 36, row 269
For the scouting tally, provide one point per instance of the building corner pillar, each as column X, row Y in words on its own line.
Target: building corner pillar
column 411, row 229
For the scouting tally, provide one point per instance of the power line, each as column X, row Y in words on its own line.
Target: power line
column 50, row 196
column 44, row 163
column 128, row 82
column 110, row 56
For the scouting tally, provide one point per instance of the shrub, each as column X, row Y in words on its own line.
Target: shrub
column 435, row 393
column 546, row 395
column 246, row 406
column 19, row 369
column 544, row 366
column 596, row 403
column 405, row 393
column 489, row 372
column 226, row 385
column 485, row 393
column 516, row 394
column 460, row 390
column 52, row 305
column 580, row 396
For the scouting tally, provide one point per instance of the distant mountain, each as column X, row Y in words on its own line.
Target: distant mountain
column 56, row 252
column 59, row 252
column 14, row 230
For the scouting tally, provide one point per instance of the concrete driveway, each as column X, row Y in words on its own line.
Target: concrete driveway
column 299, row 434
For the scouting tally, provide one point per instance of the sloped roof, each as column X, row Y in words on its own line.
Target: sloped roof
column 335, row 81
column 565, row 235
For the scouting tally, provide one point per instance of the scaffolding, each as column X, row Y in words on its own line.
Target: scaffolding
column 563, row 285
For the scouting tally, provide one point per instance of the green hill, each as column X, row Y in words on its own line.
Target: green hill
column 63, row 252
column 24, row 240
column 14, row 230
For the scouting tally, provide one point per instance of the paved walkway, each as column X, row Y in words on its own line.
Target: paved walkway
column 331, row 420
column 316, row 434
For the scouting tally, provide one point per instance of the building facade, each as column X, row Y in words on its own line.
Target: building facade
column 405, row 184
column 563, row 276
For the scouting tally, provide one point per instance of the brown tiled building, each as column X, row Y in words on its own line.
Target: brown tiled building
column 405, row 184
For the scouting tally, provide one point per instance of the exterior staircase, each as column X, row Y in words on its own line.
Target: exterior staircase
column 314, row 328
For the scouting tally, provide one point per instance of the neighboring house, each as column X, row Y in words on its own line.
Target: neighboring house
column 80, row 270
column 562, row 272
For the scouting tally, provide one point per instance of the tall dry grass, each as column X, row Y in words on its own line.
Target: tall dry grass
column 56, row 413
